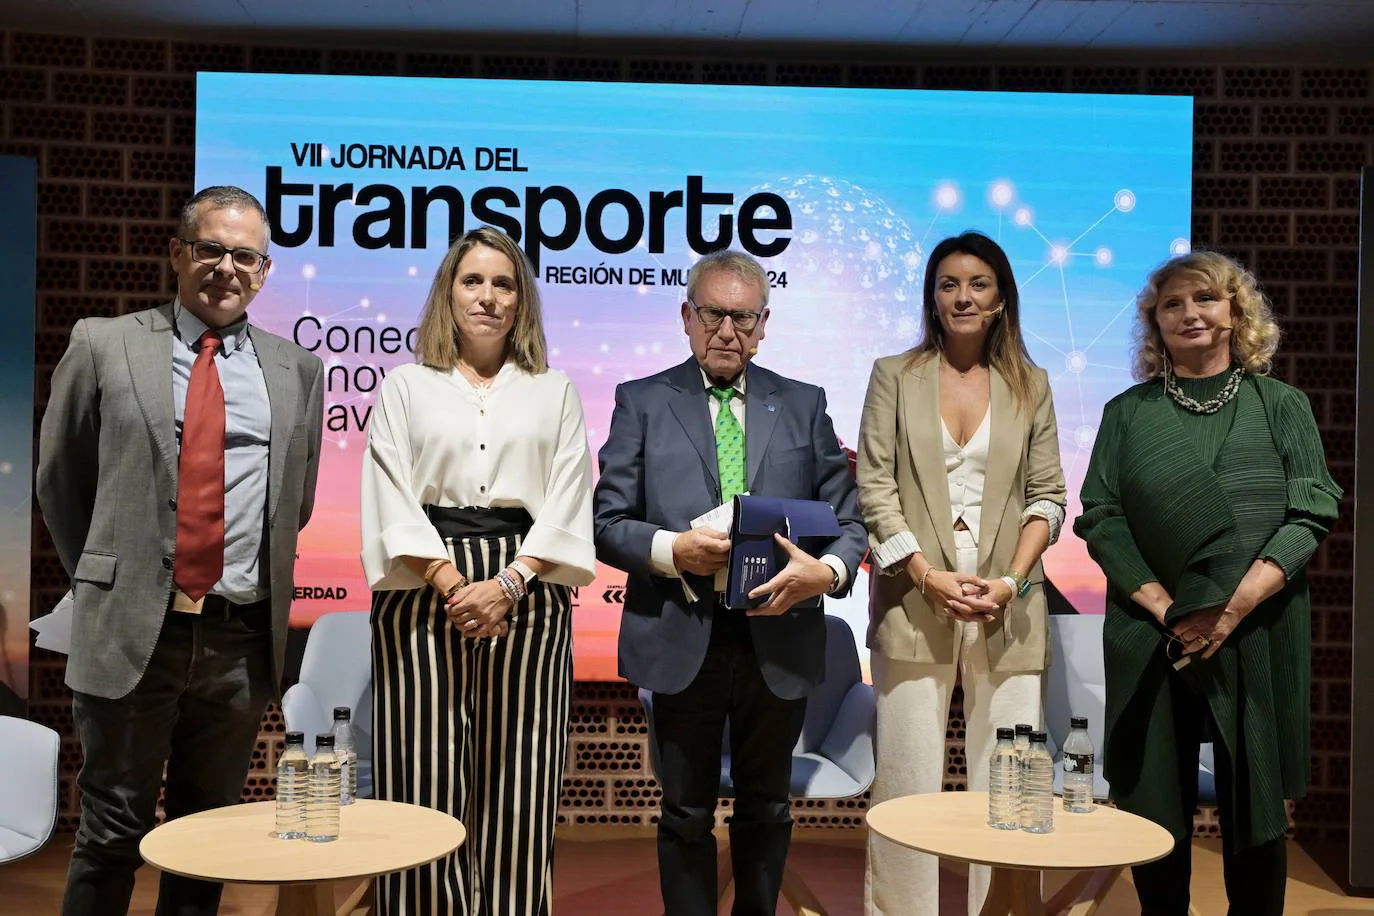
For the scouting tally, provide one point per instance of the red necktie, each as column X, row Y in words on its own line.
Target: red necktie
column 200, row 487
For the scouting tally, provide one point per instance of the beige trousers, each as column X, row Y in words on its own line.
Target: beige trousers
column 913, row 711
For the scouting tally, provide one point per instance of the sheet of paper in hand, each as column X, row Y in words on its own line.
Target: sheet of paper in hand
column 755, row 557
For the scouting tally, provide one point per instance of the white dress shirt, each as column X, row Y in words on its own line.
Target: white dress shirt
column 661, row 549
column 435, row 439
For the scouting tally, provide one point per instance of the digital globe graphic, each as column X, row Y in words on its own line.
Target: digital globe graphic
column 853, row 293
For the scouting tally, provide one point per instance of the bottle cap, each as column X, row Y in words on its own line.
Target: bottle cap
column 1023, row 729
column 323, row 741
column 295, row 737
column 1038, row 738
column 342, row 714
column 1078, row 721
column 1005, row 734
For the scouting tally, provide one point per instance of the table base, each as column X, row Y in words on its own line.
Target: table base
column 317, row 899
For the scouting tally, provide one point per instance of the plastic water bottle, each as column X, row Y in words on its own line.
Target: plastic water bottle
column 347, row 753
column 322, row 802
column 293, row 774
column 1023, row 733
column 1078, row 768
column 1037, row 787
column 1004, row 783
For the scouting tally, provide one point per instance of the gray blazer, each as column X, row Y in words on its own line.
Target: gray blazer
column 658, row 470
column 107, row 485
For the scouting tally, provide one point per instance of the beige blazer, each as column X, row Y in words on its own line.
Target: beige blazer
column 903, row 486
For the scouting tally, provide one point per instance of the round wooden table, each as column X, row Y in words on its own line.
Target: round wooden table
column 954, row 825
column 236, row 845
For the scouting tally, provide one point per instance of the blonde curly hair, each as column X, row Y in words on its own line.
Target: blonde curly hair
column 1254, row 332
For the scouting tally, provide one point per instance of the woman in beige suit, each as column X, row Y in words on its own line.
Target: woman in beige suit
column 961, row 490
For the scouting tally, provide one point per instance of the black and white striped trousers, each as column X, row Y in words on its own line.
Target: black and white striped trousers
column 477, row 728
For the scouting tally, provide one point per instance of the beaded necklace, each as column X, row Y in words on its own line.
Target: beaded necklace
column 1209, row 406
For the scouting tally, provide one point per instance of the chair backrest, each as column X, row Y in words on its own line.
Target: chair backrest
column 337, row 667
column 338, row 653
column 842, row 672
column 28, row 787
column 839, row 724
column 1076, row 682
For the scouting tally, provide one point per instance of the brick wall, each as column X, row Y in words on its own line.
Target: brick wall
column 1276, row 183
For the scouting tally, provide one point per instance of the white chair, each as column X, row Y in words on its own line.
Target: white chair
column 336, row 670
column 1076, row 685
column 28, row 787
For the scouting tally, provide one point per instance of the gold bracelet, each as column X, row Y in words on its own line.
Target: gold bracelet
column 453, row 589
column 1022, row 585
column 433, row 567
column 922, row 583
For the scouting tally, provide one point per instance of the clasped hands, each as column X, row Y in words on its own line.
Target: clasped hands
column 476, row 609
column 705, row 551
column 479, row 609
column 967, row 598
column 1206, row 629
column 1202, row 630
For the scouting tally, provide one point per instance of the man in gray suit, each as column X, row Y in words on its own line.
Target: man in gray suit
column 682, row 442
column 176, row 465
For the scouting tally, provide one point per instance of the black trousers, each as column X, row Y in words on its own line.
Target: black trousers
column 689, row 728
column 197, row 709
column 1255, row 876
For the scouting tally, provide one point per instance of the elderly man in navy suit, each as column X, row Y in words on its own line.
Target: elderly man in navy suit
column 681, row 443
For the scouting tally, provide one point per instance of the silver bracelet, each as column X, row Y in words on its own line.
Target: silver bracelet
column 922, row 583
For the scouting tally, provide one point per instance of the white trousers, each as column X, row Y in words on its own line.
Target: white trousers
column 913, row 711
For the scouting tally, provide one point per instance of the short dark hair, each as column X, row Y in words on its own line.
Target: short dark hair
column 220, row 197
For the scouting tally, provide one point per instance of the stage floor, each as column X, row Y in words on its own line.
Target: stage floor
column 611, row 871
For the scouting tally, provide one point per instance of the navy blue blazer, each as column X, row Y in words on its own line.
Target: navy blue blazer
column 658, row 470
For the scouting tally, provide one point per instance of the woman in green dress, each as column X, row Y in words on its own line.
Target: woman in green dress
column 1206, row 496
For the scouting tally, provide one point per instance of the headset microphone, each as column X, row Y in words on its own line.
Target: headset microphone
column 991, row 315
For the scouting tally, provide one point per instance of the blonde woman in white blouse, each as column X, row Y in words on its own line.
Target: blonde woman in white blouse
column 476, row 520
column 961, row 489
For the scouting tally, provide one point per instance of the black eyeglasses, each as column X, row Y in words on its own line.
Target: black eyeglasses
column 204, row 251
column 712, row 317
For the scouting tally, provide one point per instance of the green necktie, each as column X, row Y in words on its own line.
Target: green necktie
column 729, row 446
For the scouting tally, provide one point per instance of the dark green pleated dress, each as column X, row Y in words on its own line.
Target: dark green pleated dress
column 1191, row 501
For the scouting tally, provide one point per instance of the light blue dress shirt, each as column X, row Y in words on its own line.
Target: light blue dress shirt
column 247, row 434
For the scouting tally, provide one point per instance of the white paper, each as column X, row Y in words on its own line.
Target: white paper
column 55, row 629
column 721, row 518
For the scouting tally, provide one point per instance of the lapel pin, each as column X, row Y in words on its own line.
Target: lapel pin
column 771, row 408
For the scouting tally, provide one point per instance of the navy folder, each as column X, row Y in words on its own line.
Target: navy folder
column 755, row 557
